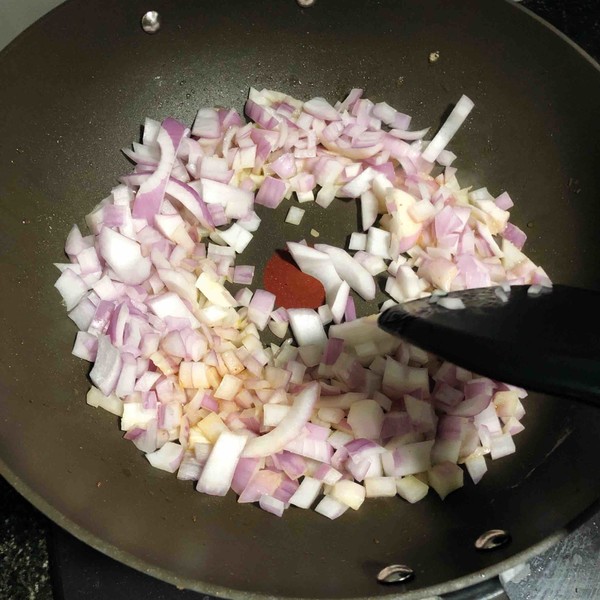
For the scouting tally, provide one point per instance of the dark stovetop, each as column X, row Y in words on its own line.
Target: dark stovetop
column 567, row 571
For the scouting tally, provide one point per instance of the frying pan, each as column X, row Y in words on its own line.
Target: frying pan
column 76, row 87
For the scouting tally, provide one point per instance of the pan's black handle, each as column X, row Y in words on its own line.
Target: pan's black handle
column 491, row 589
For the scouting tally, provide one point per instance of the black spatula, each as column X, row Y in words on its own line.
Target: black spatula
column 546, row 340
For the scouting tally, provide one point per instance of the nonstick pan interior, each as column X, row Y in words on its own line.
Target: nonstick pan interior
column 77, row 87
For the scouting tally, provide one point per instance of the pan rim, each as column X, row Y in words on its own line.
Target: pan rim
column 132, row 561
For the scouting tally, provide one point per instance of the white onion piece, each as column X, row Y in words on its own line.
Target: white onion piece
column 359, row 185
column 167, row 458
column 237, row 237
column 358, row 241
column 456, row 118
column 445, row 451
column 331, row 508
column 374, row 264
column 381, row 186
column 218, row 471
column 191, row 200
column 111, row 404
column 325, row 314
column 401, row 379
column 502, row 445
column 106, row 369
column 278, row 329
column 318, row 265
column 189, row 468
column 320, row 108
column 366, row 418
column 243, row 297
column 237, row 202
column 409, row 282
column 134, row 414
column 380, row 487
column 326, row 195
column 307, row 327
column 338, row 307
column 350, row 271
column 331, row 415
column 273, row 414
column 411, row 489
column 506, row 403
column 124, row 256
column 180, row 282
column 311, row 354
column 260, row 308
column 151, row 130
column 421, row 412
column 445, row 478
column 229, row 387
column 173, row 227
column 171, row 305
column 512, row 426
column 250, row 222
column 294, row 216
column 72, row 288
column 307, row 493
column 214, row 291
column 477, row 467
column 365, row 329
column 378, row 242
column 149, row 198
column 489, row 419
column 344, row 401
column 272, row 505
column 441, row 272
column 350, row 493
column 451, row 303
column 327, row 474
column 289, row 428
column 408, row 459
column 206, row 124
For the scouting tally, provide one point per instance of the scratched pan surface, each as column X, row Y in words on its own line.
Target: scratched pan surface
column 76, row 87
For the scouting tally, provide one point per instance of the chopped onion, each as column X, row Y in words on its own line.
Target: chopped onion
column 237, row 237
column 318, row 265
column 217, row 474
column 179, row 358
column 366, row 419
column 149, row 198
column 380, row 487
column 294, row 216
column 260, row 308
column 289, row 428
column 168, row 457
column 307, row 493
column 350, row 271
column 445, row 478
column 408, row 459
column 477, row 467
column 331, row 508
column 349, row 493
column 271, row 192
column 502, row 445
column 451, row 303
column 307, row 327
column 411, row 489
column 456, row 118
